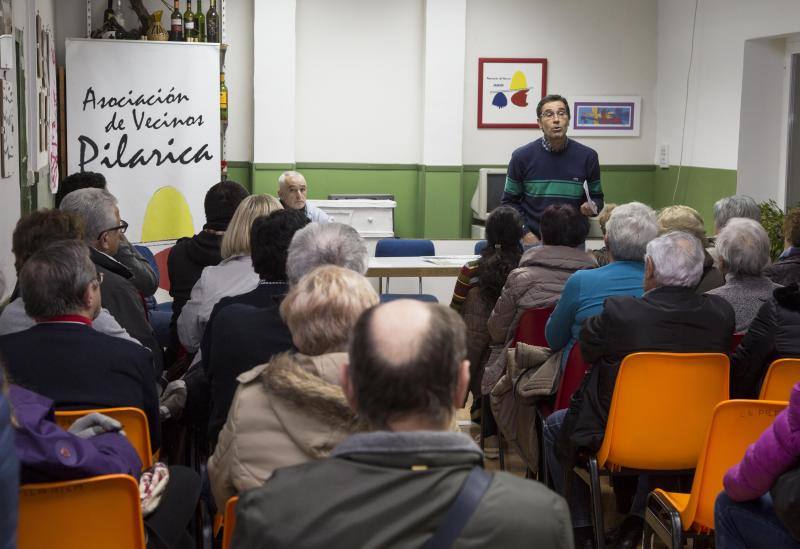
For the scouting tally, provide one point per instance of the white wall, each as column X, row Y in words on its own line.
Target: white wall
column 715, row 86
column 359, row 81
column 592, row 48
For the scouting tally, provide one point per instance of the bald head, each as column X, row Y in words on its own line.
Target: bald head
column 407, row 360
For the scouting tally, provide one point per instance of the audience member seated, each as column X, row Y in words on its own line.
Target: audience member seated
column 62, row 357
column 406, row 376
column 738, row 205
column 743, row 250
column 32, row 233
column 669, row 317
column 94, row 446
column 684, row 218
column 774, row 333
column 9, row 468
column 745, row 514
column 478, row 287
column 601, row 255
column 629, row 229
column 233, row 276
column 786, row 269
column 292, row 189
column 104, row 228
column 292, row 409
column 143, row 277
column 189, row 256
column 542, row 272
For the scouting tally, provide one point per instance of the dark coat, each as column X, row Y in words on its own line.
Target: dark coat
column 126, row 304
column 668, row 319
column 9, row 476
column 48, row 453
column 369, row 494
column 774, row 333
column 185, row 264
column 785, row 271
column 79, row 368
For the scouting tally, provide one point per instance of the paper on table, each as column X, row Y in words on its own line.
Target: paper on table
column 589, row 200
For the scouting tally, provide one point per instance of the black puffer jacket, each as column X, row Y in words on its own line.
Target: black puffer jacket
column 784, row 271
column 774, row 333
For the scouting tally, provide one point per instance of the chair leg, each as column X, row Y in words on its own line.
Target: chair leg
column 597, row 504
column 677, row 529
column 484, row 413
column 648, row 536
column 420, row 284
column 500, row 453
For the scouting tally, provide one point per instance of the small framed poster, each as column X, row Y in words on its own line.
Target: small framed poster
column 509, row 90
column 606, row 116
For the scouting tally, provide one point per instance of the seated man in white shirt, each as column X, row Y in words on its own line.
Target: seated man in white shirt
column 292, row 189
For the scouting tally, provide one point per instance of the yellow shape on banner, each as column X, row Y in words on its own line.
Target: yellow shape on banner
column 167, row 216
column 518, row 81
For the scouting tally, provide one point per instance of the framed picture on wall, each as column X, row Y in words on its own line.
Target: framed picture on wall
column 606, row 116
column 508, row 91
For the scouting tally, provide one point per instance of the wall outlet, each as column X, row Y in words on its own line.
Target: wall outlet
column 663, row 156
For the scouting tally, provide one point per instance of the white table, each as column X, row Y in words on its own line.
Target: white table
column 416, row 267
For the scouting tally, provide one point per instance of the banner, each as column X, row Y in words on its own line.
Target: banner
column 146, row 116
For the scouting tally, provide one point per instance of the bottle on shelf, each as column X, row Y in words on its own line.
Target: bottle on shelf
column 109, row 13
column 176, row 24
column 223, row 98
column 200, row 22
column 189, row 30
column 212, row 23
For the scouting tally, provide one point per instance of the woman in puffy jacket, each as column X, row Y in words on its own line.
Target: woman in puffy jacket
column 744, row 515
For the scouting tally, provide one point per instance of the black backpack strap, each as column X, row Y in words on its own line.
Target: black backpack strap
column 460, row 511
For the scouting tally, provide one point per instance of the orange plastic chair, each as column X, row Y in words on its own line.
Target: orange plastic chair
column 94, row 513
column 229, row 523
column 780, row 378
column 660, row 411
column 675, row 517
column 134, row 423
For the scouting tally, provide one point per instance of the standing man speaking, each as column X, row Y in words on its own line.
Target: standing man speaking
column 552, row 170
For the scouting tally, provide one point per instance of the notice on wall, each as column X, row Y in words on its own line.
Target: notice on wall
column 146, row 116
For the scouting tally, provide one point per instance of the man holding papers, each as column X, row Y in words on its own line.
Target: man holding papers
column 553, row 169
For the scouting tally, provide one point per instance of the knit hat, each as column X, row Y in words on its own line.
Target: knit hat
column 221, row 202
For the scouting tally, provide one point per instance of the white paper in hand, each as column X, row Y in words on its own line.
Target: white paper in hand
column 589, row 200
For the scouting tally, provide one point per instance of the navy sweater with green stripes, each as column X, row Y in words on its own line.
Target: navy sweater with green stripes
column 537, row 178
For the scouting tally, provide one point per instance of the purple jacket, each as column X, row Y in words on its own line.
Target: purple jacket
column 48, row 453
column 776, row 451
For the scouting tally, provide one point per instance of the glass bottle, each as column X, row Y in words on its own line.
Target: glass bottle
column 223, row 98
column 189, row 30
column 200, row 22
column 212, row 23
column 176, row 24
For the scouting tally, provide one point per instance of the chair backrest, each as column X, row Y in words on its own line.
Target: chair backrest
column 780, row 378
column 134, row 423
column 531, row 325
column 661, row 409
column 230, row 522
column 428, row 298
column 93, row 513
column 404, row 247
column 734, row 426
column 736, row 339
column 574, row 371
column 146, row 253
column 163, row 269
column 479, row 246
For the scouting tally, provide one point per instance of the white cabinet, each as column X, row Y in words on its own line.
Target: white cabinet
column 371, row 218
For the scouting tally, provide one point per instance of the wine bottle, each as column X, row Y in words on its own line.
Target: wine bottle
column 212, row 23
column 176, row 24
column 110, row 27
column 189, row 31
column 109, row 13
column 200, row 22
column 223, row 98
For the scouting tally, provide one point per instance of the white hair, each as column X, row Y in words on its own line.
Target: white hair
column 738, row 205
column 677, row 259
column 288, row 175
column 325, row 244
column 95, row 207
column 743, row 245
column 629, row 229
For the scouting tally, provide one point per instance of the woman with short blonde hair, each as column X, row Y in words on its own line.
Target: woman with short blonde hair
column 233, row 276
column 293, row 409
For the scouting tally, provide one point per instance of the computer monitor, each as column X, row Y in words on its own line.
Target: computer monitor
column 488, row 193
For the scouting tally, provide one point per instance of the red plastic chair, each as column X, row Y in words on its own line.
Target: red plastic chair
column 574, row 372
column 737, row 338
column 163, row 271
column 531, row 326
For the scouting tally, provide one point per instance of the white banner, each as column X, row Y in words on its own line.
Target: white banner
column 146, row 116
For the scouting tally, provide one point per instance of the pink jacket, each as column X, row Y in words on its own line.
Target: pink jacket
column 776, row 451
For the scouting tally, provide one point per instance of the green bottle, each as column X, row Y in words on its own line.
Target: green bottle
column 200, row 22
column 189, row 30
column 212, row 23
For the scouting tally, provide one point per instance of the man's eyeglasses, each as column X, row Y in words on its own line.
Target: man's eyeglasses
column 99, row 278
column 122, row 227
column 552, row 114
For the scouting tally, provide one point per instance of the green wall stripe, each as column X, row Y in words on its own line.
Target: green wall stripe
column 353, row 166
column 260, row 166
column 239, row 164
